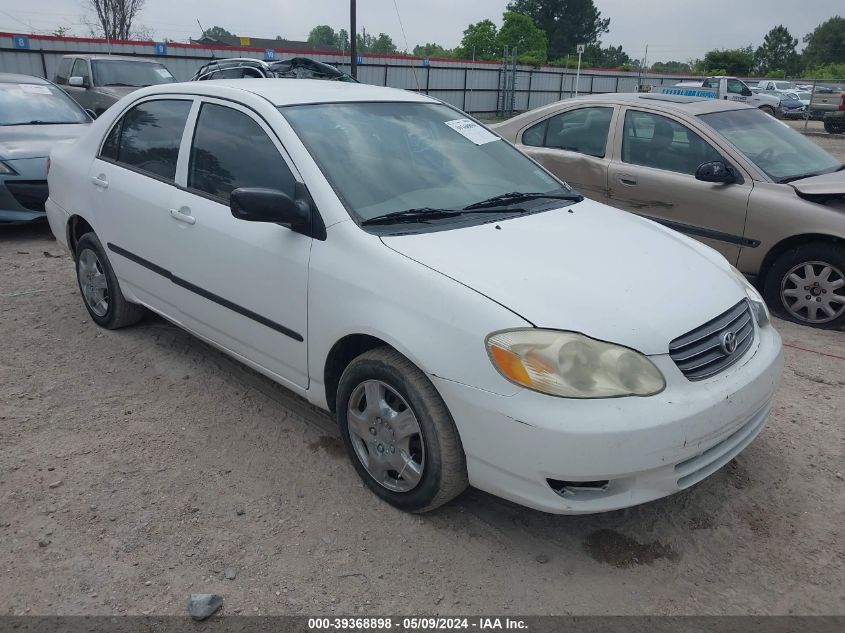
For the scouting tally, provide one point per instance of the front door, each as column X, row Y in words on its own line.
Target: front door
column 243, row 285
column 652, row 175
column 573, row 145
column 81, row 94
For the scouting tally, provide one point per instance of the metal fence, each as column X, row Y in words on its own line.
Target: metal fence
column 473, row 86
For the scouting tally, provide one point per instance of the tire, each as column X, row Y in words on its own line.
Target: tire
column 98, row 286
column 768, row 110
column 379, row 438
column 806, row 284
column 833, row 126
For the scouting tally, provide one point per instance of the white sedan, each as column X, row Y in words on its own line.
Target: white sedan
column 469, row 318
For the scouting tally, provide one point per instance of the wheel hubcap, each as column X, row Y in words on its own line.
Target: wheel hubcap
column 386, row 436
column 814, row 292
column 93, row 282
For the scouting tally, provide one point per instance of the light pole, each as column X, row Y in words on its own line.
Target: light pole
column 353, row 39
column 580, row 50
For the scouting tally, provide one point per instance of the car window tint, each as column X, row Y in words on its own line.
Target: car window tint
column 710, row 83
column 655, row 141
column 583, row 130
column 148, row 137
column 535, row 135
column 735, row 86
column 63, row 71
column 80, row 69
column 231, row 150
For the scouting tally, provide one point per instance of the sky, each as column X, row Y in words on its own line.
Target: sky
column 679, row 30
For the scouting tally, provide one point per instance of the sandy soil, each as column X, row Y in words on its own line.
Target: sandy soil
column 136, row 466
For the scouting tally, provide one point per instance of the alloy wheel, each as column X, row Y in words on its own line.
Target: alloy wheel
column 93, row 282
column 814, row 292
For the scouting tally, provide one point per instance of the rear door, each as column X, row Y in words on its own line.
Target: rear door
column 652, row 175
column 573, row 145
column 244, row 285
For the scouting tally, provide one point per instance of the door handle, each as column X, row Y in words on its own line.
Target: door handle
column 627, row 179
column 100, row 181
column 182, row 217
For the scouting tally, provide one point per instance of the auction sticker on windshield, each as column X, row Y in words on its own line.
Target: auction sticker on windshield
column 35, row 89
column 471, row 130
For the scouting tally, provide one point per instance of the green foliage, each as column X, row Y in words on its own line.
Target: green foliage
column 342, row 40
column 734, row 61
column 519, row 31
column 217, row 32
column 826, row 44
column 776, row 74
column 671, row 67
column 323, row 35
column 566, row 23
column 777, row 52
column 830, row 71
column 610, row 57
column 432, row 50
column 380, row 44
column 480, row 38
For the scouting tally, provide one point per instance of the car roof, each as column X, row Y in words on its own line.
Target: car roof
column 670, row 103
column 13, row 78
column 122, row 58
column 291, row 91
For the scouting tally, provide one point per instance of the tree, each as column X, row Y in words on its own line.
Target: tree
column 611, row 57
column 323, row 35
column 383, row 45
column 342, row 40
column 432, row 50
column 519, row 31
column 61, row 31
column 217, row 32
column 480, row 38
column 826, row 44
column 671, row 67
column 777, row 52
column 115, row 17
column 735, row 61
column 567, row 23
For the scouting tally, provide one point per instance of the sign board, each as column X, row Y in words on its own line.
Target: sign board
column 21, row 41
column 161, row 48
column 360, row 59
column 245, row 41
column 426, row 61
column 704, row 93
column 580, row 48
column 269, row 54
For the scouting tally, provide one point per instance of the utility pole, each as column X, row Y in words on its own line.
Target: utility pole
column 353, row 39
column 580, row 49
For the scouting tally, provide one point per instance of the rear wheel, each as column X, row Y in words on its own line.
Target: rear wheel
column 398, row 432
column 99, row 288
column 806, row 284
column 834, row 126
column 768, row 110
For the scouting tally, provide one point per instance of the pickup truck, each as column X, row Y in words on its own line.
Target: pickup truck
column 829, row 106
column 729, row 88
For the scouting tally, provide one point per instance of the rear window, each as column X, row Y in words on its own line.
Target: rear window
column 122, row 72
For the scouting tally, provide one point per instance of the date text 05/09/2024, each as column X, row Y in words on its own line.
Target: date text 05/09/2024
column 417, row 624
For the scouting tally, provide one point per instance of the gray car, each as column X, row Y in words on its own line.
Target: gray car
column 34, row 116
column 98, row 81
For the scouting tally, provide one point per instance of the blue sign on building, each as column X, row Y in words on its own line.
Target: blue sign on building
column 269, row 54
column 426, row 61
column 21, row 41
column 161, row 48
column 360, row 59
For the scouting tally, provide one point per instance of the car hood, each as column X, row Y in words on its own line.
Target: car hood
column 35, row 141
column 118, row 92
column 586, row 268
column 832, row 184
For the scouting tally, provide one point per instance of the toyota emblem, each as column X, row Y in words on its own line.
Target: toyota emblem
column 729, row 343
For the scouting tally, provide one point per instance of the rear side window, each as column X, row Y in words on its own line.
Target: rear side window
column 231, row 150
column 583, row 130
column 148, row 137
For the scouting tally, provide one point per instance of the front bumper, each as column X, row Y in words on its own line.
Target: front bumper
column 22, row 195
column 633, row 449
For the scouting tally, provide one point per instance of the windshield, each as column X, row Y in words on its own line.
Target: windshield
column 781, row 152
column 122, row 72
column 31, row 104
column 384, row 158
column 805, row 96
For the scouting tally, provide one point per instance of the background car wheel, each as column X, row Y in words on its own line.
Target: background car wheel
column 834, row 127
column 806, row 284
column 100, row 291
column 768, row 110
column 398, row 432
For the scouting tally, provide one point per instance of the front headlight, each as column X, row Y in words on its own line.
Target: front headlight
column 6, row 170
column 758, row 305
column 572, row 365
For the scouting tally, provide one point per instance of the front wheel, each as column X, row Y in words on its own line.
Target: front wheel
column 768, row 110
column 806, row 284
column 398, row 432
column 834, row 126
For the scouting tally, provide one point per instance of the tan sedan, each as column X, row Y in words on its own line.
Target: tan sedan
column 767, row 198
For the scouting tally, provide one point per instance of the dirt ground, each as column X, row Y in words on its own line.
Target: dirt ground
column 140, row 465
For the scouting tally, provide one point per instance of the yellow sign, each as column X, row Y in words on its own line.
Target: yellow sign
column 244, row 41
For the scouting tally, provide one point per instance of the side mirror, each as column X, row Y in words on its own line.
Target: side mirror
column 746, row 92
column 255, row 204
column 78, row 82
column 716, row 171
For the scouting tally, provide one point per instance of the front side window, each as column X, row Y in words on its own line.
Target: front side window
column 781, row 152
column 656, row 141
column 123, row 72
column 583, row 130
column 735, row 86
column 63, row 71
column 148, row 137
column 231, row 150
column 384, row 158
column 80, row 69
column 37, row 104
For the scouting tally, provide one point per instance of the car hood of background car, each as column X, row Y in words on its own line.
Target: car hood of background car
column 118, row 92
column 832, row 184
column 35, row 141
column 586, row 268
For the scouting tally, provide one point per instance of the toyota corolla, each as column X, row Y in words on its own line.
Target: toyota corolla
column 469, row 318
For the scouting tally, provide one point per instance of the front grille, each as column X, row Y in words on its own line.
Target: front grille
column 30, row 194
column 703, row 353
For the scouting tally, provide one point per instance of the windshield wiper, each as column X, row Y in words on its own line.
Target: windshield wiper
column 411, row 215
column 37, row 122
column 521, row 196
